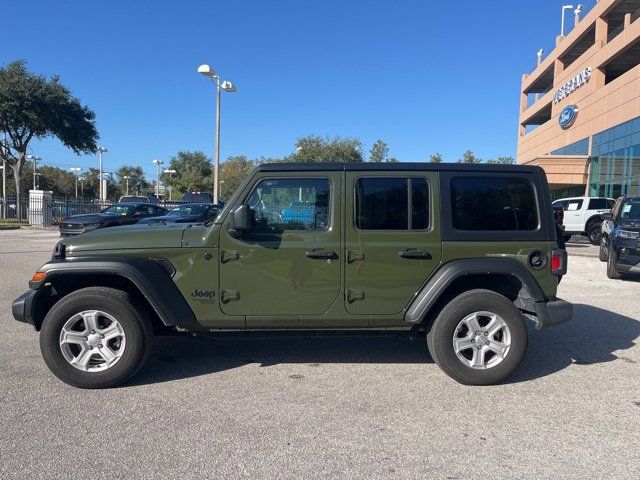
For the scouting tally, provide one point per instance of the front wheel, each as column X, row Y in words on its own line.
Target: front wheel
column 95, row 337
column 479, row 338
column 594, row 233
column 611, row 264
column 603, row 254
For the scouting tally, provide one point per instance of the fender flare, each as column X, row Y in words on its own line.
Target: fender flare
column 451, row 271
column 150, row 276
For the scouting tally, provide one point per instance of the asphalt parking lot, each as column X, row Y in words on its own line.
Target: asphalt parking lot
column 358, row 407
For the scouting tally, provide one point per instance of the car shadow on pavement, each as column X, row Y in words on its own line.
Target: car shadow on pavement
column 592, row 336
column 179, row 357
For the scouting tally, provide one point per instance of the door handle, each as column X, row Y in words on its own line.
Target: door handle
column 417, row 254
column 320, row 254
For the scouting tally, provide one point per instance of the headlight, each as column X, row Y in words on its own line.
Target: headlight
column 628, row 234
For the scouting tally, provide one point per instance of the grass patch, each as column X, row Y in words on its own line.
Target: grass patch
column 9, row 226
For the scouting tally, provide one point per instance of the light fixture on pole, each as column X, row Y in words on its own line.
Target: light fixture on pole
column 564, row 9
column 76, row 170
column 157, row 163
column 577, row 13
column 103, row 190
column 171, row 172
column 35, row 161
column 127, row 177
column 229, row 87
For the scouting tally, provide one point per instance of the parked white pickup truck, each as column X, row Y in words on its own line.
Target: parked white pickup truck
column 583, row 216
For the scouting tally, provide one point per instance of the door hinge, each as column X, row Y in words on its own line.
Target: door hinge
column 355, row 295
column 229, row 255
column 227, row 296
column 354, row 256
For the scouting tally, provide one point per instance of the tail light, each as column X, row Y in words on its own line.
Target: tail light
column 558, row 262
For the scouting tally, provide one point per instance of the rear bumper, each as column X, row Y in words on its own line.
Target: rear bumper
column 23, row 309
column 553, row 313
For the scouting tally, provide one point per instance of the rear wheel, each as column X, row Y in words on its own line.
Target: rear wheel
column 611, row 264
column 479, row 338
column 594, row 233
column 95, row 338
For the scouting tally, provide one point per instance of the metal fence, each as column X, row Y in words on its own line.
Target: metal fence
column 22, row 210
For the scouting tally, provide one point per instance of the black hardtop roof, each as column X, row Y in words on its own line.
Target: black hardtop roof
column 396, row 167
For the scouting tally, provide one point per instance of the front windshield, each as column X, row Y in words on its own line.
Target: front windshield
column 120, row 210
column 630, row 209
column 184, row 210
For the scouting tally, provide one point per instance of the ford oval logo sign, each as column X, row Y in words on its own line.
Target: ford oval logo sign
column 568, row 116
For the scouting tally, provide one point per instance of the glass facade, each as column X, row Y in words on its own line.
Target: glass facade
column 580, row 147
column 615, row 161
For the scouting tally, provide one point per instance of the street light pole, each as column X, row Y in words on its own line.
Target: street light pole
column 103, row 193
column 157, row 163
column 170, row 172
column 564, row 9
column 126, row 177
column 76, row 170
column 35, row 160
column 229, row 87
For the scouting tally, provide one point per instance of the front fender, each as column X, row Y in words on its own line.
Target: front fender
column 152, row 278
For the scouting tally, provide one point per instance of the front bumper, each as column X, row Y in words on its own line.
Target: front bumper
column 23, row 308
column 553, row 313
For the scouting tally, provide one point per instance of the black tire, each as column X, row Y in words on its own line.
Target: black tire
column 131, row 316
column 611, row 265
column 440, row 338
column 603, row 254
column 594, row 233
column 566, row 237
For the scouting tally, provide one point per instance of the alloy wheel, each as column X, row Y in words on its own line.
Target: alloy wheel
column 482, row 340
column 92, row 341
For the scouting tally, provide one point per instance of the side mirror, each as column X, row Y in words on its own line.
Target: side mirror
column 241, row 218
column 607, row 216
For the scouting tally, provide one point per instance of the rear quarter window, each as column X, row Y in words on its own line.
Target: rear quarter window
column 493, row 204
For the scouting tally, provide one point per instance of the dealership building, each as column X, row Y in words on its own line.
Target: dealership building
column 580, row 107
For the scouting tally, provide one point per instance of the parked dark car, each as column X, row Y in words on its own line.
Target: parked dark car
column 152, row 199
column 620, row 244
column 115, row 215
column 199, row 197
column 188, row 213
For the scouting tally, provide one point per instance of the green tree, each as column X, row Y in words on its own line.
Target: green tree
column 137, row 183
column 435, row 158
column 501, row 160
column 61, row 182
column 318, row 149
column 379, row 152
column 194, row 172
column 392, row 160
column 469, row 157
column 232, row 173
column 33, row 107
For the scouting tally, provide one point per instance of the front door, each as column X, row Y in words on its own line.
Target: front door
column 392, row 239
column 288, row 263
column 573, row 213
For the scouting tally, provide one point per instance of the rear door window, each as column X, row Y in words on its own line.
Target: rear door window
column 493, row 204
column 598, row 204
column 393, row 203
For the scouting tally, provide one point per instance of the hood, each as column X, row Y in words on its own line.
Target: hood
column 86, row 218
column 630, row 224
column 129, row 237
column 172, row 219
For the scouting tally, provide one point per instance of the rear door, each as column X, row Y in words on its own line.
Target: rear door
column 392, row 239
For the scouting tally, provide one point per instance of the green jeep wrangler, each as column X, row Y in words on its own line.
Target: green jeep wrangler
column 463, row 253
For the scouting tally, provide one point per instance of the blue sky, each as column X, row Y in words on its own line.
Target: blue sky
column 424, row 76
